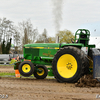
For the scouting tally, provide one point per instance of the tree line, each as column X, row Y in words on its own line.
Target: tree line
column 25, row 33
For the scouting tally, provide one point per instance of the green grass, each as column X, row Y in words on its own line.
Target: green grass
column 5, row 74
column 6, row 65
column 2, row 74
column 8, row 74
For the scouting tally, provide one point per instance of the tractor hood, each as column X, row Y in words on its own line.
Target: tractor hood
column 43, row 45
column 52, row 45
column 32, row 51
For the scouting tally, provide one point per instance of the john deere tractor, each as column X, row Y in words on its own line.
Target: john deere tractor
column 69, row 61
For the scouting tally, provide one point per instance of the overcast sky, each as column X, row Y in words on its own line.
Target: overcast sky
column 74, row 13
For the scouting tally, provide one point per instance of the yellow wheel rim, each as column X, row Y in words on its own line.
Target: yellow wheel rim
column 67, row 66
column 26, row 68
column 40, row 73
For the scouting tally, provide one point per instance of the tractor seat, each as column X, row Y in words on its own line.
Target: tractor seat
column 83, row 38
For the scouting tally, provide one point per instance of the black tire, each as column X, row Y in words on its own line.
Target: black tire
column 29, row 66
column 80, row 58
column 43, row 72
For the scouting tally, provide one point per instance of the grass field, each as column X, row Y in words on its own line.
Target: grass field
column 6, row 65
column 6, row 73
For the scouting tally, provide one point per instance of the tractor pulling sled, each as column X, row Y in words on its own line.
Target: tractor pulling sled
column 69, row 61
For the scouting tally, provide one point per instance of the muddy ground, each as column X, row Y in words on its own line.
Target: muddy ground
column 47, row 89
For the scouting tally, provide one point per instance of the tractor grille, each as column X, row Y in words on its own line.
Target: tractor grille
column 34, row 52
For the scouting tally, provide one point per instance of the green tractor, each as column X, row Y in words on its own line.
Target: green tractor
column 69, row 61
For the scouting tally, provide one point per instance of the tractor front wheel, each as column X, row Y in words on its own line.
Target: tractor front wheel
column 26, row 68
column 40, row 72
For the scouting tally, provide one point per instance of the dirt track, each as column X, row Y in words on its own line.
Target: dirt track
column 47, row 89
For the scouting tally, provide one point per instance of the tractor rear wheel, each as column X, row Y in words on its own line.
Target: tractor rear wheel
column 26, row 68
column 69, row 64
column 41, row 72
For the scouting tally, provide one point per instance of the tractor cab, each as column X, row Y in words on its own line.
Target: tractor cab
column 82, row 36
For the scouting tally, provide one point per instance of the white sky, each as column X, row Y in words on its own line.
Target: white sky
column 75, row 14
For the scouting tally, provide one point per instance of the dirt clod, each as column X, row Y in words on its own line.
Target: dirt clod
column 87, row 81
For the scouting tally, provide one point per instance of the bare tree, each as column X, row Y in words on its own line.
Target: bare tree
column 6, row 29
column 17, row 36
column 28, row 33
column 6, row 32
column 25, row 39
column 43, row 38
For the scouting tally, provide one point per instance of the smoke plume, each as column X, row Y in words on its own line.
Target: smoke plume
column 57, row 13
